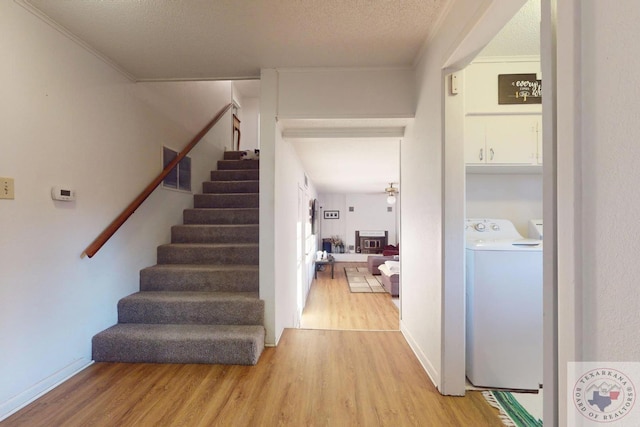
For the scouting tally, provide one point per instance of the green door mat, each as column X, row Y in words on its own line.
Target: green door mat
column 511, row 411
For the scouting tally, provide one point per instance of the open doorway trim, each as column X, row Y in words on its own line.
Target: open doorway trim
column 453, row 357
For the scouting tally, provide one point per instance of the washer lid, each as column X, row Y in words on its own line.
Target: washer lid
column 505, row 245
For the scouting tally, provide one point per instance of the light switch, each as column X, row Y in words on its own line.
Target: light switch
column 6, row 188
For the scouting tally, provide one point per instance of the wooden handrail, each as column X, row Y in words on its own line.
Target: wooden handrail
column 129, row 210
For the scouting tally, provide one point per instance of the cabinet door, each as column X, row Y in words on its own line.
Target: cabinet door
column 511, row 139
column 474, row 140
column 539, row 138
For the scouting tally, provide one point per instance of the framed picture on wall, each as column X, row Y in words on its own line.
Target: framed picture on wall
column 331, row 214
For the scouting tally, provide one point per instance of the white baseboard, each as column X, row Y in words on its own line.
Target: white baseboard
column 18, row 402
column 433, row 374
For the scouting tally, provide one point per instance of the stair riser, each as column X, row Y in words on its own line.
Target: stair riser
column 235, row 175
column 221, row 187
column 240, row 312
column 219, row 281
column 170, row 254
column 174, row 348
column 213, row 234
column 205, row 352
column 232, row 155
column 226, row 201
column 238, row 164
column 218, row 216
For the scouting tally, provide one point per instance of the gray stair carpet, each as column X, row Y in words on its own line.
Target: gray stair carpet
column 200, row 303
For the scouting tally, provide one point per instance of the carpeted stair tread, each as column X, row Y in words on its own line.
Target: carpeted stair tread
column 230, row 200
column 221, row 187
column 235, row 175
column 200, row 303
column 189, row 296
column 208, row 253
column 213, row 308
column 200, row 277
column 233, row 155
column 155, row 343
column 238, row 164
column 215, row 233
column 221, row 216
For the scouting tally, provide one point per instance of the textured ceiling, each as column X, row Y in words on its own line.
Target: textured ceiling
column 234, row 39
column 227, row 39
column 348, row 162
column 521, row 35
column 347, row 165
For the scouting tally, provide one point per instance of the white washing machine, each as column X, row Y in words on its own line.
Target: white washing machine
column 503, row 306
column 535, row 229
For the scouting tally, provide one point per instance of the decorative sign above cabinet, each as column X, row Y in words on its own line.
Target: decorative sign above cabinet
column 519, row 89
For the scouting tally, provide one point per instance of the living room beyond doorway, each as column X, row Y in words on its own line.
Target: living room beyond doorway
column 332, row 305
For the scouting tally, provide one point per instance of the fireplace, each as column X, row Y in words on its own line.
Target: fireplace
column 371, row 242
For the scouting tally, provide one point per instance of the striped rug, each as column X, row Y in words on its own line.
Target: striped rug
column 512, row 413
column 361, row 281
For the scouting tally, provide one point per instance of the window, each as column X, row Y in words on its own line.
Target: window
column 180, row 176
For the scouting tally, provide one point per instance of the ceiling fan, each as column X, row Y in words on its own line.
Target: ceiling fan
column 391, row 193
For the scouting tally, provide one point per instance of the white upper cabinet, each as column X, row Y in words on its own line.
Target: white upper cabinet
column 502, row 139
column 500, row 134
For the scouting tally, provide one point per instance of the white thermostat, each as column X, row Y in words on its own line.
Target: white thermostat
column 63, row 194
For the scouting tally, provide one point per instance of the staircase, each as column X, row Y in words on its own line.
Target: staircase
column 200, row 303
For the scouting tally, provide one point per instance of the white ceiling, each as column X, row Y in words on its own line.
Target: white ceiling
column 234, row 39
column 348, row 156
column 521, row 35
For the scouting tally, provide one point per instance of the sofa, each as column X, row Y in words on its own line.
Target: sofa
column 391, row 250
column 389, row 253
column 390, row 277
column 374, row 261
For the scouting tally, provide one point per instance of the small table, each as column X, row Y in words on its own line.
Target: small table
column 330, row 260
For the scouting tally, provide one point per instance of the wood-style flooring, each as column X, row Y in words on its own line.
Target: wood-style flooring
column 313, row 378
column 331, row 305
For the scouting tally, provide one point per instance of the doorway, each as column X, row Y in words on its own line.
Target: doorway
column 349, row 164
column 529, row 174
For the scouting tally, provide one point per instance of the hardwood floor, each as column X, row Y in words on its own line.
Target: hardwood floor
column 313, row 378
column 331, row 305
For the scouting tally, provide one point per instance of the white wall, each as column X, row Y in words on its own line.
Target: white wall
column 428, row 202
column 289, row 187
column 70, row 119
column 346, row 93
column 481, row 84
column 249, row 116
column 332, row 227
column 250, row 123
column 369, row 213
column 517, row 197
column 268, row 248
column 598, row 178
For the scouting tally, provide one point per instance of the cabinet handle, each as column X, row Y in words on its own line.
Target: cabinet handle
column 481, row 156
column 491, row 153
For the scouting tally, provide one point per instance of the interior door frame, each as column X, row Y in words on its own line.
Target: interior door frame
column 453, row 308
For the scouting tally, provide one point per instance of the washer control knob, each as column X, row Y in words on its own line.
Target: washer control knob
column 480, row 226
column 495, row 227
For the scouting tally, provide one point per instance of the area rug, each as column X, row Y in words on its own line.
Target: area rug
column 361, row 281
column 512, row 413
